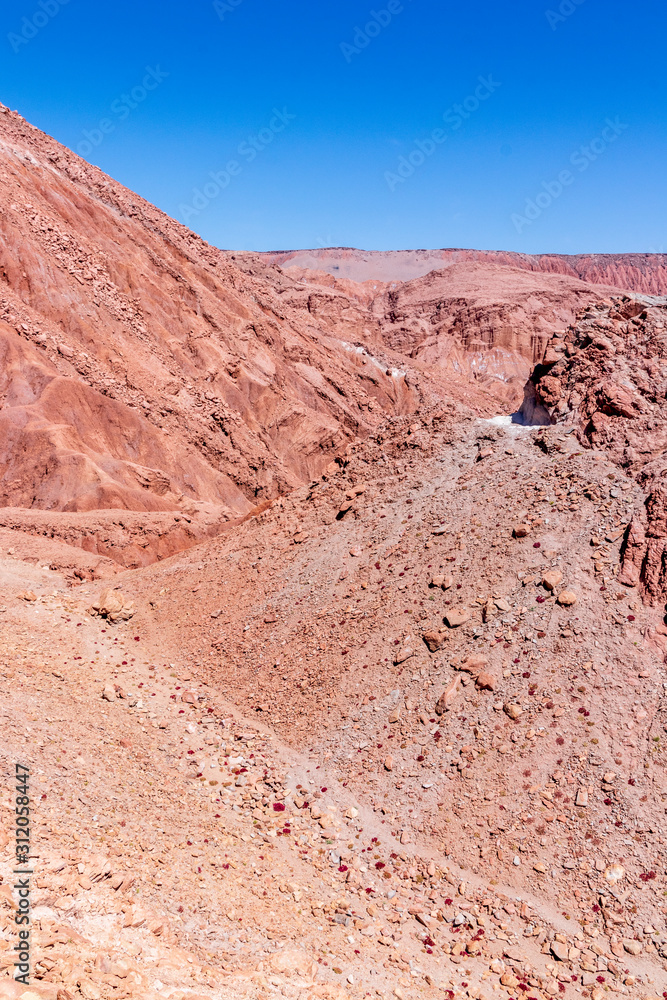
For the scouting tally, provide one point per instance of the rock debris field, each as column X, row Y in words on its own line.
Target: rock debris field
column 408, row 739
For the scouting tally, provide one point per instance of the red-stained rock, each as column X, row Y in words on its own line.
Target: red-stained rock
column 551, row 390
column 633, row 554
column 434, row 640
column 617, row 401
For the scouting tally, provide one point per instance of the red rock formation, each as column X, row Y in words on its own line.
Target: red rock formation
column 608, row 375
column 485, row 321
column 144, row 369
column 637, row 272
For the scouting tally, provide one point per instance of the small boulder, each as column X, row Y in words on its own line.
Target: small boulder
column 512, row 710
column 434, row 640
column 457, row 617
column 567, row 598
column 473, row 664
column 560, row 951
column 293, row 962
column 485, row 681
column 112, row 604
column 614, row 873
column 404, row 653
column 448, row 696
column 488, row 611
column 551, row 579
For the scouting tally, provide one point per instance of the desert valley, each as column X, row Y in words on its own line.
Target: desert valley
column 332, row 604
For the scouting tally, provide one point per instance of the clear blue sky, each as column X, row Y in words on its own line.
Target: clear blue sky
column 361, row 103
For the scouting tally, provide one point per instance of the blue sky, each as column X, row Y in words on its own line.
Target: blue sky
column 305, row 124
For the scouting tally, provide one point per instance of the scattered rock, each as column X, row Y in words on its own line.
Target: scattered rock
column 111, row 604
column 551, row 579
column 434, row 640
column 485, row 681
column 457, row 617
column 509, row 980
column 292, row 962
column 560, row 951
column 448, row 696
column 473, row 664
column 614, row 873
column 405, row 653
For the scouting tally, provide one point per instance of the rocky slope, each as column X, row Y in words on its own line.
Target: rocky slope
column 145, row 370
column 608, row 375
column 332, row 681
column 485, row 322
column 400, row 735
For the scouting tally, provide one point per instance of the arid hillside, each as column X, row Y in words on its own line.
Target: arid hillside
column 332, row 622
column 144, row 370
